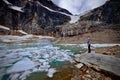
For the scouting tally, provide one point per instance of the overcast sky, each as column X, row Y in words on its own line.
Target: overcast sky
column 79, row 6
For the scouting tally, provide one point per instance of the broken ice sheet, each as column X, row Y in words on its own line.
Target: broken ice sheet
column 51, row 71
column 23, row 65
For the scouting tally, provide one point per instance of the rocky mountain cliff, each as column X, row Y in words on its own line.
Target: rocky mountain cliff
column 108, row 13
column 32, row 16
column 44, row 17
column 104, row 17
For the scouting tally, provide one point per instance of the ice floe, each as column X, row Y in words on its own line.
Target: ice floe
column 51, row 71
column 14, row 76
column 23, row 65
column 25, row 74
column 5, row 62
column 2, row 72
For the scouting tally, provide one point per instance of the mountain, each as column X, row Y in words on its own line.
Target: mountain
column 32, row 16
column 108, row 13
column 101, row 25
column 44, row 17
column 106, row 16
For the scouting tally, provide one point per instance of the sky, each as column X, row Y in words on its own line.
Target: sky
column 77, row 7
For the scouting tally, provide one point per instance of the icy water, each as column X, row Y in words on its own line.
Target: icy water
column 32, row 61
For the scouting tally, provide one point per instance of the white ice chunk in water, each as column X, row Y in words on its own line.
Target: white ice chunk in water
column 2, row 72
column 35, row 70
column 23, row 65
column 11, row 56
column 24, row 54
column 51, row 71
column 15, row 76
column 2, row 55
column 25, row 74
column 46, row 56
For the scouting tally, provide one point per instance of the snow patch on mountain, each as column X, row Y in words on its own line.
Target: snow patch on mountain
column 74, row 18
column 3, row 27
column 16, row 8
column 7, row 2
column 11, row 6
column 21, row 31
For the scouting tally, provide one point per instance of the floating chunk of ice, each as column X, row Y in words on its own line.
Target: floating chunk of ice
column 23, row 65
column 2, row 72
column 11, row 56
column 14, row 76
column 51, row 71
column 25, row 74
column 35, row 70
column 8, row 62
column 46, row 56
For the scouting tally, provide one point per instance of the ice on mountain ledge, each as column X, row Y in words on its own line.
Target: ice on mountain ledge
column 3, row 27
column 16, row 8
column 10, row 5
column 74, row 19
column 22, row 65
column 7, row 2
column 23, row 32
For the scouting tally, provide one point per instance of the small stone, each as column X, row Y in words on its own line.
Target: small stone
column 79, row 65
column 107, row 78
column 89, row 76
column 87, row 71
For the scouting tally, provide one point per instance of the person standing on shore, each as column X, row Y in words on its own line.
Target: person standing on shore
column 89, row 45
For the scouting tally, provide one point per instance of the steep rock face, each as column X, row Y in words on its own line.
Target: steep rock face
column 33, row 16
column 104, row 17
column 108, row 13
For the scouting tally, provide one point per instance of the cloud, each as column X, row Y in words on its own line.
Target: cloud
column 79, row 6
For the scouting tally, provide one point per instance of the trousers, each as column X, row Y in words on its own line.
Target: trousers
column 89, row 49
